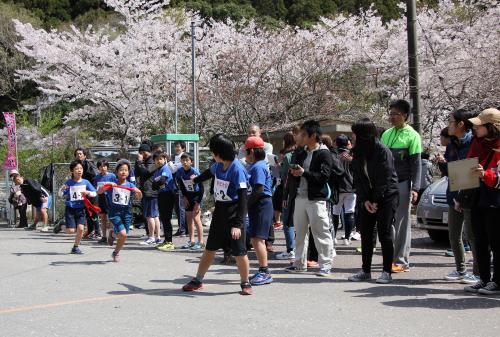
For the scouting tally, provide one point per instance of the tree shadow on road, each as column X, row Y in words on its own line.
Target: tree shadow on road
column 132, row 290
column 462, row 302
column 79, row 263
column 40, row 253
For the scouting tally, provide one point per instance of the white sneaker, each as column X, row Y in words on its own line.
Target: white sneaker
column 356, row 236
column 385, row 278
column 334, row 253
column 44, row 229
column 286, row 256
column 347, row 242
column 149, row 242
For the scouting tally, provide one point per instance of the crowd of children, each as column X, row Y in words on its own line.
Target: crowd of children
column 320, row 183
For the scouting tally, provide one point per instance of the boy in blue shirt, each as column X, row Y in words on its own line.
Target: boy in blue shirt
column 103, row 177
column 227, row 228
column 119, row 195
column 193, row 194
column 74, row 191
column 163, row 182
column 260, row 206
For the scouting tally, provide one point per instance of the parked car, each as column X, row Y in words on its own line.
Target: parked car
column 432, row 211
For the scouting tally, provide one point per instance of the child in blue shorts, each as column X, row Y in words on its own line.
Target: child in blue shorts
column 102, row 178
column 74, row 191
column 227, row 230
column 260, row 206
column 193, row 195
column 119, row 195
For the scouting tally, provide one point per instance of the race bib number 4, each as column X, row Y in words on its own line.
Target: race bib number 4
column 120, row 196
column 75, row 192
column 189, row 185
column 220, row 190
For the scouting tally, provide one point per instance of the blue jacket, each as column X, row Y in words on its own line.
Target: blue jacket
column 456, row 150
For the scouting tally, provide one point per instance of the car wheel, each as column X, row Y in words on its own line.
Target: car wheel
column 438, row 235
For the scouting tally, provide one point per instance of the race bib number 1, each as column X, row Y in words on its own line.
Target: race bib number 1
column 75, row 192
column 220, row 190
column 120, row 196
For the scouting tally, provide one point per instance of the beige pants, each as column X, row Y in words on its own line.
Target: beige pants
column 312, row 214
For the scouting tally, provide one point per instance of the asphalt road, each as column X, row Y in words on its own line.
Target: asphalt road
column 44, row 291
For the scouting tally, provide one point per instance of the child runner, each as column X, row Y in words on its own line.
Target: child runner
column 193, row 194
column 119, row 197
column 102, row 178
column 227, row 227
column 260, row 206
column 163, row 182
column 74, row 190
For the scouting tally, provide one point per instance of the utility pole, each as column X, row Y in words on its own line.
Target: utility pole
column 193, row 84
column 411, row 10
column 176, row 92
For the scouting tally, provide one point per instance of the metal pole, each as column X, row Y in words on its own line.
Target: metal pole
column 176, row 92
column 411, row 10
column 193, row 84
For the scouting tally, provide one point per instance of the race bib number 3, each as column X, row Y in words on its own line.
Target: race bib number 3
column 189, row 185
column 220, row 190
column 75, row 192
column 120, row 196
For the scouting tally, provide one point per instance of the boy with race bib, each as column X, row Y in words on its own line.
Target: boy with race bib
column 193, row 194
column 102, row 178
column 227, row 228
column 75, row 190
column 119, row 197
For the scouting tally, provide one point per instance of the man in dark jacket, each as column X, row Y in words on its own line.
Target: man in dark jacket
column 144, row 170
column 308, row 189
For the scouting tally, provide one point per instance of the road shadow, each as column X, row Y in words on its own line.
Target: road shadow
column 79, row 263
column 133, row 290
column 40, row 253
column 425, row 300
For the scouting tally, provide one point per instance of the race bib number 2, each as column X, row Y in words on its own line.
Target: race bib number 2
column 120, row 196
column 220, row 190
column 75, row 192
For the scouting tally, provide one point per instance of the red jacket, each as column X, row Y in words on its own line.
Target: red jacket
column 482, row 148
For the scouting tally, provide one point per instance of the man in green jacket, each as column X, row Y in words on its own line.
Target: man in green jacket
column 406, row 146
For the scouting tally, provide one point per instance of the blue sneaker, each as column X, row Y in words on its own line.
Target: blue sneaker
column 261, row 279
column 76, row 250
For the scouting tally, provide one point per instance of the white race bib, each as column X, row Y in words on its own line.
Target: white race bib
column 120, row 196
column 220, row 190
column 189, row 185
column 75, row 192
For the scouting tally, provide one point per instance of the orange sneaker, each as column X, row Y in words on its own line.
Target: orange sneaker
column 397, row 268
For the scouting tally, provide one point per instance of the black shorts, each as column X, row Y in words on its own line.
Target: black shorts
column 219, row 235
column 278, row 198
column 190, row 198
column 103, row 203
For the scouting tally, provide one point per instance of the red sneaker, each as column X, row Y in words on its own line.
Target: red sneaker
column 246, row 289
column 193, row 285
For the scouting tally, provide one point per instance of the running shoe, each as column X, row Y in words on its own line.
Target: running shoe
column 356, row 236
column 324, row 272
column 44, row 229
column 312, row 264
column 148, row 242
column 491, row 289
column 115, row 256
column 475, row 287
column 188, row 245
column 470, row 279
column 166, row 247
column 76, row 250
column 398, row 268
column 193, row 285
column 57, row 228
column 360, row 276
column 30, row 228
column 158, row 241
column 347, row 242
column 278, row 225
column 455, row 276
column 286, row 256
column 385, row 278
column 198, row 246
column 246, row 288
column 295, row 270
column 260, row 279
column 449, row 253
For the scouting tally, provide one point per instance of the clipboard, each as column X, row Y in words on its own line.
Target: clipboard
column 459, row 174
